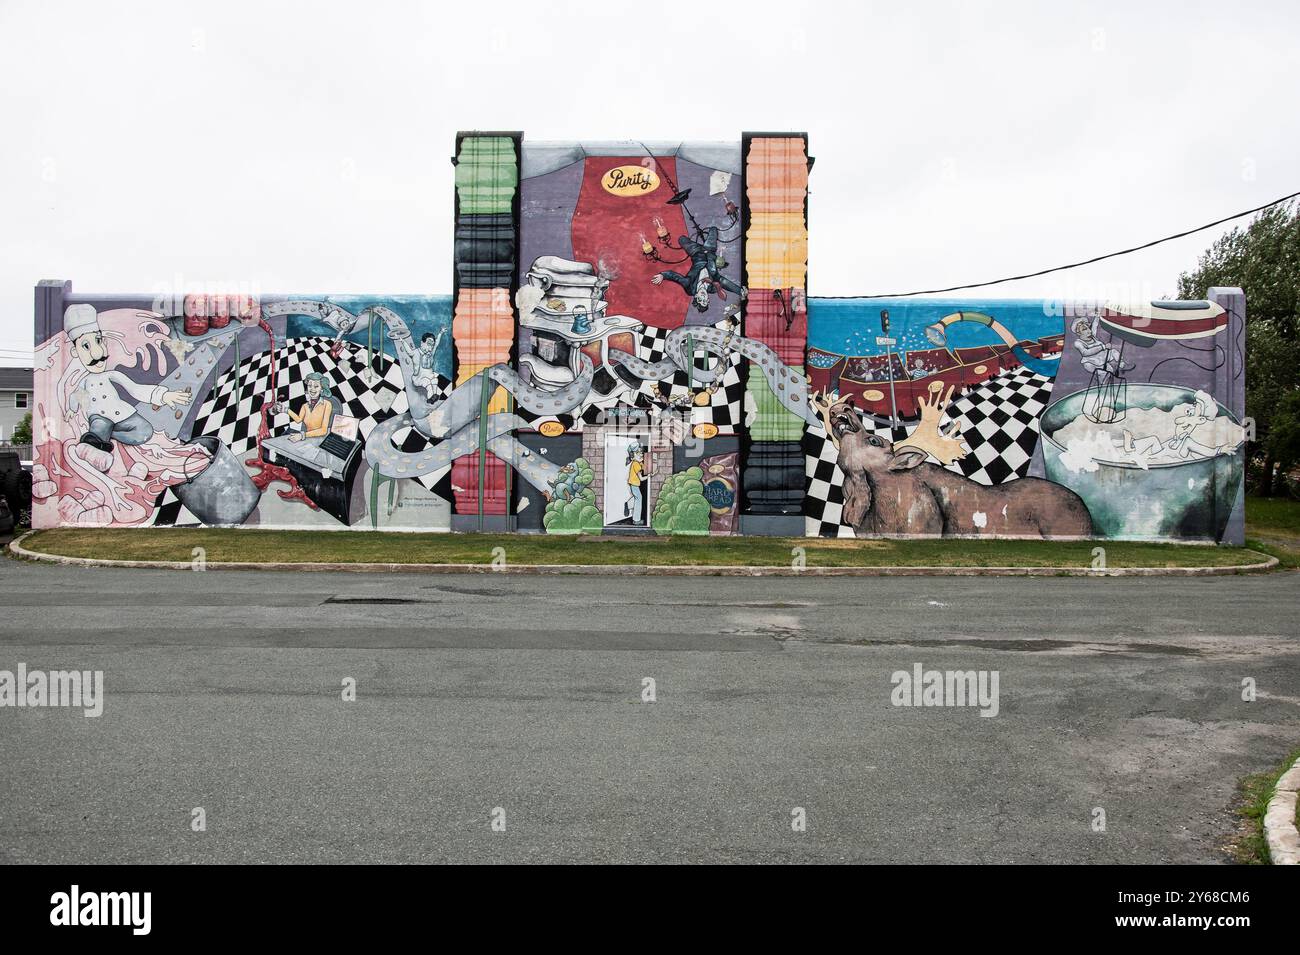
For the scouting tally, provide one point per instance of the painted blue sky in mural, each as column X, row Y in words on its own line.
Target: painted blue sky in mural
column 422, row 314
column 850, row 326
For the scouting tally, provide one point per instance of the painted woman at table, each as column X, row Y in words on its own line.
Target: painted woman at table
column 313, row 419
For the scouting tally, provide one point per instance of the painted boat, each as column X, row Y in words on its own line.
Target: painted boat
column 915, row 372
column 1146, row 323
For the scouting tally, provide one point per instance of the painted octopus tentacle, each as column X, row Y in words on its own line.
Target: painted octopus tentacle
column 540, row 401
column 455, row 420
column 715, row 341
column 407, row 357
column 462, row 405
column 386, row 459
column 648, row 370
column 790, row 387
column 533, row 468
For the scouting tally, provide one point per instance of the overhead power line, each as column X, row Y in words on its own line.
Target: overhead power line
column 1073, row 265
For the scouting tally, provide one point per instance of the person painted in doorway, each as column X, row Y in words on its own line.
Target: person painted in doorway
column 313, row 419
column 98, row 395
column 636, row 475
column 705, row 276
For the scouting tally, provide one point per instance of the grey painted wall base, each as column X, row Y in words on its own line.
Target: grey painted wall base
column 772, row 525
column 488, row 523
column 1230, row 388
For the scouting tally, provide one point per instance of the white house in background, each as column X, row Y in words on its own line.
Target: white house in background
column 15, row 398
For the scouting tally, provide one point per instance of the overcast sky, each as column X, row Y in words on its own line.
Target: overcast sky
column 304, row 147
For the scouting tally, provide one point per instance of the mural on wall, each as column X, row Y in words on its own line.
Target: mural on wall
column 630, row 348
column 938, row 417
column 290, row 412
column 776, row 262
column 630, row 302
column 1148, row 426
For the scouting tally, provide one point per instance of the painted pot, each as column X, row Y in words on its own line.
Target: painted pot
column 222, row 493
column 1190, row 499
column 219, row 312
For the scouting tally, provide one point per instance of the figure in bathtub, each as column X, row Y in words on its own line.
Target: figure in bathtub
column 1151, row 449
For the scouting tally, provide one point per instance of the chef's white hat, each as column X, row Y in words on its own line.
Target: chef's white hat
column 79, row 319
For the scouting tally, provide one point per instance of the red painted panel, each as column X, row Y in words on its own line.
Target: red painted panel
column 607, row 232
column 464, row 475
column 777, row 323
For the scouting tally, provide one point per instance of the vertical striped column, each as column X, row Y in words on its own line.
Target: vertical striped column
column 483, row 321
column 776, row 265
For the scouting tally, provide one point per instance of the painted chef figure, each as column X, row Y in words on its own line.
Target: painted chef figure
column 109, row 417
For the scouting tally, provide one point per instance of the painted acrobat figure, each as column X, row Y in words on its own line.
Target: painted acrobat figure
column 705, row 275
column 1095, row 355
column 426, row 374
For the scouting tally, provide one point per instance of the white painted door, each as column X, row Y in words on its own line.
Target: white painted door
column 618, row 496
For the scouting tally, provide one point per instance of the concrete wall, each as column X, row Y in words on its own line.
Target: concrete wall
column 636, row 315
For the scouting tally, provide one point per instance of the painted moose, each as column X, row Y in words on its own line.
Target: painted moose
column 893, row 490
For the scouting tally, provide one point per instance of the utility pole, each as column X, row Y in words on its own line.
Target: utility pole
column 889, row 344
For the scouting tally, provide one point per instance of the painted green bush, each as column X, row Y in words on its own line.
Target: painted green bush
column 579, row 515
column 682, row 508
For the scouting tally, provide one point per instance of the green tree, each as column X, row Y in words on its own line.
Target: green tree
column 22, row 431
column 1283, row 442
column 1263, row 259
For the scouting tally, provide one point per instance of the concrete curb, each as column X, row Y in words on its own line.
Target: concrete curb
column 650, row 570
column 1279, row 819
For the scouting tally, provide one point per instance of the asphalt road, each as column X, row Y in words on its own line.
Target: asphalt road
column 223, row 691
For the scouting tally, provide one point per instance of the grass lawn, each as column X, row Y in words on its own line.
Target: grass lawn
column 361, row 546
column 1273, row 526
column 1250, row 846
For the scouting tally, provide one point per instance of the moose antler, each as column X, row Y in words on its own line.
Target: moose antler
column 821, row 403
column 945, row 446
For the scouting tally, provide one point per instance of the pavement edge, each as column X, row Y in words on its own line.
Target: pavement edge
column 16, row 549
column 1279, row 819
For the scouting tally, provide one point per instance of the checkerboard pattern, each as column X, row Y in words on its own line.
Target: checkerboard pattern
column 999, row 425
column 723, row 409
column 232, row 415
column 823, row 502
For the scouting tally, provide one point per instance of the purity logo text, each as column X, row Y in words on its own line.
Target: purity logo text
column 103, row 908
column 36, row 688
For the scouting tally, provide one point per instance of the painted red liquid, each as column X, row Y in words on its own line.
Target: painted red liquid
column 268, row 473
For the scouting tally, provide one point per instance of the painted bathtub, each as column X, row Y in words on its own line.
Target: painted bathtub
column 1189, row 500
